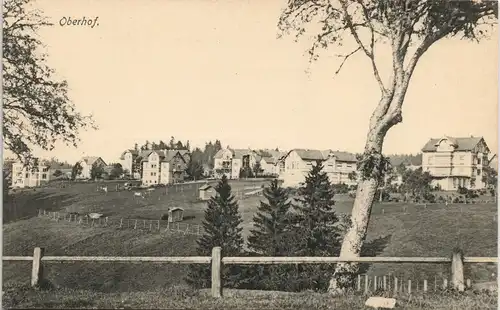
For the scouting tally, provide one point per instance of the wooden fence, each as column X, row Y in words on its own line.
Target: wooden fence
column 123, row 223
column 216, row 260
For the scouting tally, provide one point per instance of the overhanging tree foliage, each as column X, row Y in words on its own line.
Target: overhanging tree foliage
column 36, row 109
column 409, row 28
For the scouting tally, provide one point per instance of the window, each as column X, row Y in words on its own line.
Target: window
column 45, row 169
column 454, row 182
column 349, row 166
column 44, row 176
column 339, row 165
column 153, row 165
column 479, row 160
column 27, row 175
column 478, row 172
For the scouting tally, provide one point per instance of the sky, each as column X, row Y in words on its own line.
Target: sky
column 202, row 70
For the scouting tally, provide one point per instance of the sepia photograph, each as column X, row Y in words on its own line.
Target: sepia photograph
column 250, row 154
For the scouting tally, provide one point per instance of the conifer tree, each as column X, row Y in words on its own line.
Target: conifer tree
column 270, row 222
column 221, row 228
column 270, row 237
column 316, row 227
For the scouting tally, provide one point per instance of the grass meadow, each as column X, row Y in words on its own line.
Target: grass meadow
column 394, row 230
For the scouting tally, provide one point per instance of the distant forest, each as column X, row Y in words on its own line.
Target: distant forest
column 407, row 159
column 203, row 156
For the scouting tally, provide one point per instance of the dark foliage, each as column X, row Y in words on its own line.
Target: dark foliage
column 221, row 229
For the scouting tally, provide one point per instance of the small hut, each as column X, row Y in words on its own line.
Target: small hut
column 206, row 191
column 175, row 214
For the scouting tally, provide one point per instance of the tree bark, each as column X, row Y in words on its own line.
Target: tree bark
column 353, row 240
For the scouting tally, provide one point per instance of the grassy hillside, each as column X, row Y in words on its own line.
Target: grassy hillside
column 394, row 230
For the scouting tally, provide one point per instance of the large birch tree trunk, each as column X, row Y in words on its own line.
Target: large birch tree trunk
column 361, row 211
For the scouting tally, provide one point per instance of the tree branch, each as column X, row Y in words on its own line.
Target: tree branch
column 369, row 52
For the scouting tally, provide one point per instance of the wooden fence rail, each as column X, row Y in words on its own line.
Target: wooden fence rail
column 217, row 260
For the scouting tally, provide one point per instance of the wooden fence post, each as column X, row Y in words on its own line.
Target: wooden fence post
column 425, row 286
column 457, row 270
column 374, row 283
column 37, row 270
column 395, row 285
column 384, row 282
column 469, row 285
column 216, row 272
column 409, row 286
column 445, row 283
column 359, row 282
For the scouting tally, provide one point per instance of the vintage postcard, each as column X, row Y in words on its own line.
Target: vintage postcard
column 258, row 154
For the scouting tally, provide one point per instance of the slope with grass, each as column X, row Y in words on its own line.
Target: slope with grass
column 394, row 230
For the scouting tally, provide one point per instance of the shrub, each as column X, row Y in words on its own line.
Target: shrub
column 428, row 197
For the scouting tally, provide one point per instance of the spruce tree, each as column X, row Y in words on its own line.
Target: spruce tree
column 269, row 237
column 316, row 227
column 221, row 228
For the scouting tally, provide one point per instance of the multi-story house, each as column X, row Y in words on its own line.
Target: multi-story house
column 298, row 162
column 131, row 160
column 456, row 162
column 186, row 155
column 231, row 161
column 493, row 162
column 87, row 162
column 29, row 176
column 163, row 167
column 269, row 162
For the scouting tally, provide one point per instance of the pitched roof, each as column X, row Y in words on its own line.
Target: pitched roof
column 134, row 153
column 165, row 155
column 239, row 153
column 307, row 154
column 219, row 153
column 345, row 156
column 205, row 187
column 462, row 143
column 90, row 160
column 270, row 160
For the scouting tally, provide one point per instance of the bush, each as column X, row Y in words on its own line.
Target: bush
column 341, row 188
column 462, row 190
column 428, row 197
